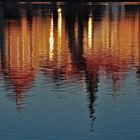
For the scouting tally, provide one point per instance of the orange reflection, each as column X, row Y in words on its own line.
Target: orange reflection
column 90, row 28
column 51, row 40
column 46, row 44
column 115, row 46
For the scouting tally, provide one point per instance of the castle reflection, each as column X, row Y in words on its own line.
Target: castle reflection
column 70, row 39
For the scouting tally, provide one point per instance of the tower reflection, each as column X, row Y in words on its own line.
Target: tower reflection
column 65, row 39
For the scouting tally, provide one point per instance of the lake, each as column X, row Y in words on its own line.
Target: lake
column 70, row 71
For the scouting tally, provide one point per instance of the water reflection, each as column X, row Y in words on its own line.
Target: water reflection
column 51, row 40
column 66, row 41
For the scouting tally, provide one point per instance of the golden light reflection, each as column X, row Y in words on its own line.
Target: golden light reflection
column 76, row 31
column 45, row 45
column 59, row 33
column 51, row 39
column 90, row 31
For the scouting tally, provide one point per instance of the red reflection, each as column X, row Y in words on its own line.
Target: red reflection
column 58, row 47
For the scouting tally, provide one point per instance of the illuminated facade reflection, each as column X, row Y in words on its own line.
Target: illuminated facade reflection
column 83, row 45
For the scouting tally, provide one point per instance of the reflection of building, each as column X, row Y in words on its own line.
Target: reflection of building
column 70, row 41
column 34, row 45
column 58, row 58
column 114, row 43
column 109, row 44
column 18, row 51
column 19, row 67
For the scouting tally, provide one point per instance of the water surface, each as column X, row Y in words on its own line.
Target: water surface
column 70, row 71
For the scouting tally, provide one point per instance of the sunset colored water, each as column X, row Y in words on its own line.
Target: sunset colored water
column 70, row 71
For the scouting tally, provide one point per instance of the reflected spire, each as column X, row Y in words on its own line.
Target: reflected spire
column 116, row 83
column 18, row 57
column 92, row 87
column 19, row 100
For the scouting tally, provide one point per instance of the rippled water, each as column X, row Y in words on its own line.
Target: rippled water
column 69, row 71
